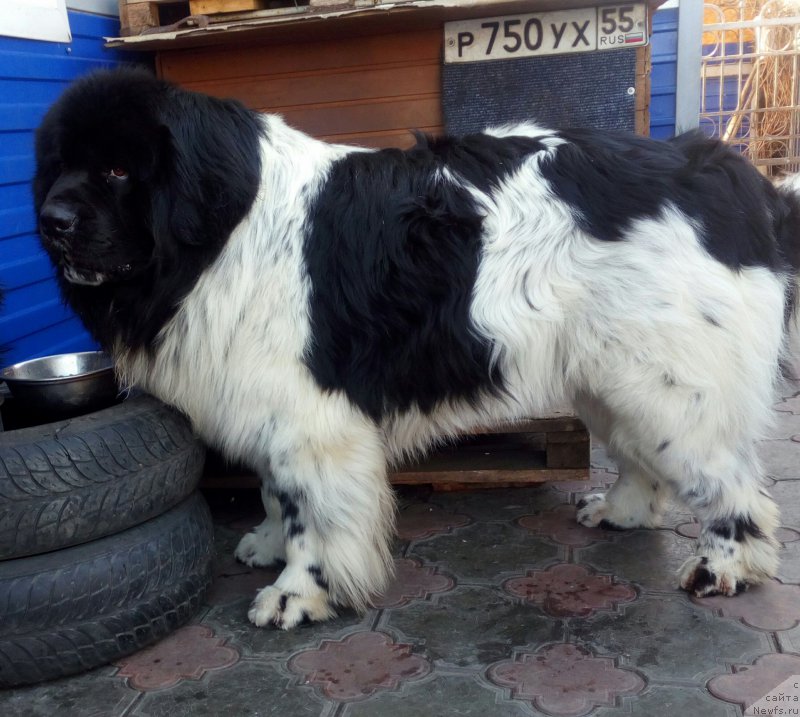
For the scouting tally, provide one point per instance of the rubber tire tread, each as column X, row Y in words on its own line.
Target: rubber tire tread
column 79, row 608
column 73, row 481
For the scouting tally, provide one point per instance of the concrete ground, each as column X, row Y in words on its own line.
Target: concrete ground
column 502, row 605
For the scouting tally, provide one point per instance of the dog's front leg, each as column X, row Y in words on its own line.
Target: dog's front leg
column 337, row 513
column 265, row 546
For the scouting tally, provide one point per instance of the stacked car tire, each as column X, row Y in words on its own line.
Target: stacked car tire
column 105, row 544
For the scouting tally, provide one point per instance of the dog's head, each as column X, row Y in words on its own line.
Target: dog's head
column 133, row 173
column 138, row 186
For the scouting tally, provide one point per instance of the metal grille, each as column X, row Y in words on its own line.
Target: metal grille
column 750, row 63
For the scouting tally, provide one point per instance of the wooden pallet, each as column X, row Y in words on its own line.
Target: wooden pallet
column 138, row 17
column 555, row 448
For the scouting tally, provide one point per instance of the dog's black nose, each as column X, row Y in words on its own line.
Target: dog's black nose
column 57, row 220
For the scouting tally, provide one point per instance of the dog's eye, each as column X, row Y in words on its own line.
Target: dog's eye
column 117, row 173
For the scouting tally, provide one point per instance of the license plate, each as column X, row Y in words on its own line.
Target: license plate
column 607, row 27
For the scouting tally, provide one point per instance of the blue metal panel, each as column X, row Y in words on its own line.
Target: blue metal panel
column 34, row 321
column 664, row 58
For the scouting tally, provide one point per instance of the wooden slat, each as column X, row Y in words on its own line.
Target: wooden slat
column 485, row 477
column 368, row 91
column 269, row 60
column 364, row 116
column 210, row 7
column 323, row 86
column 456, row 479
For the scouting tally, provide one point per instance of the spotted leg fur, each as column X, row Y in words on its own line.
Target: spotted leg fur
column 635, row 500
column 301, row 593
column 336, row 510
column 736, row 547
column 264, row 546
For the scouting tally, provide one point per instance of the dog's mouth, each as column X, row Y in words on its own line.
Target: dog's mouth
column 90, row 276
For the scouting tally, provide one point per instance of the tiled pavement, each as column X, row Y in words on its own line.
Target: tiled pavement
column 502, row 605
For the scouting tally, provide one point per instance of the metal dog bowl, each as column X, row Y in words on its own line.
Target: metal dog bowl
column 67, row 384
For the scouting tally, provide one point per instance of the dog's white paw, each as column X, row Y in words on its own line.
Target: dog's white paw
column 286, row 610
column 703, row 577
column 592, row 510
column 262, row 548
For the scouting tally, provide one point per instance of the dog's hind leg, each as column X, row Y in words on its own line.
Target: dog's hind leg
column 337, row 512
column 738, row 520
column 706, row 463
column 635, row 500
column 264, row 546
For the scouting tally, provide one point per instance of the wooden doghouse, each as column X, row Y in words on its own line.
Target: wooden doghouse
column 367, row 72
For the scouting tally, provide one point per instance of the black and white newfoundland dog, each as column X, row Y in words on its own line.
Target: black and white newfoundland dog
column 321, row 311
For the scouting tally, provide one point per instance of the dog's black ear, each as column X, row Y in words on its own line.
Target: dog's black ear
column 210, row 168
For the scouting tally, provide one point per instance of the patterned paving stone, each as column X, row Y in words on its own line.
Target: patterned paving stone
column 93, row 694
column 412, row 581
column 564, row 679
column 663, row 701
column 500, row 504
column 439, row 696
column 559, row 525
column 670, row 638
column 772, row 606
column 252, row 689
column 789, row 568
column 357, row 666
column 789, row 405
column 233, row 580
column 781, row 459
column 649, row 558
column 600, row 480
column 750, row 682
column 566, row 590
column 188, row 653
column 600, row 457
column 422, row 520
column 473, row 626
column 230, row 621
column 483, row 551
column 789, row 640
column 787, row 495
column 786, row 423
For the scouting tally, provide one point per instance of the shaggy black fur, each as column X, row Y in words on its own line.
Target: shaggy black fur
column 392, row 252
column 612, row 179
column 193, row 163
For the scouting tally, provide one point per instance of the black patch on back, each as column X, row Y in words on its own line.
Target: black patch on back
column 611, row 179
column 392, row 251
column 481, row 159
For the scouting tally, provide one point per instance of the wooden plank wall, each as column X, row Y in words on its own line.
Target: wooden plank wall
column 368, row 91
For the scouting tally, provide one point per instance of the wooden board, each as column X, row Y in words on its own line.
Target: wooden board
column 369, row 91
column 509, row 455
column 209, row 7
